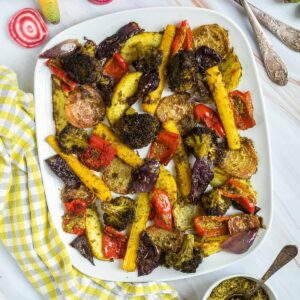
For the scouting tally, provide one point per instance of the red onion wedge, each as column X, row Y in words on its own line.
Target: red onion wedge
column 240, row 242
column 64, row 48
column 100, row 2
column 28, row 28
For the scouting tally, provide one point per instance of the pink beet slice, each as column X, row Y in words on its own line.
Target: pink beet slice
column 28, row 28
column 100, row 2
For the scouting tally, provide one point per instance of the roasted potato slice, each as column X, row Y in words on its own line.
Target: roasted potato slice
column 166, row 240
column 212, row 36
column 177, row 108
column 184, row 215
column 125, row 88
column 117, row 176
column 139, row 45
column 84, row 107
column 231, row 70
column 94, row 233
column 59, row 98
column 241, row 163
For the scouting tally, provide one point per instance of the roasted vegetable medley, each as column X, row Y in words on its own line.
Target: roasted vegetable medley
column 111, row 99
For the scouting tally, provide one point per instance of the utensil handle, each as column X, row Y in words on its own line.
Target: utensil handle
column 275, row 67
column 286, row 254
column 289, row 35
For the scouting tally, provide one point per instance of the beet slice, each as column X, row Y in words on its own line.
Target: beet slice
column 100, row 2
column 28, row 28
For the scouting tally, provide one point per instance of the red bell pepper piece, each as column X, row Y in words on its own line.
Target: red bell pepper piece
column 243, row 109
column 164, row 146
column 61, row 74
column 122, row 63
column 210, row 226
column 115, row 67
column 210, row 118
column 183, row 38
column 241, row 194
column 114, row 243
column 99, row 153
column 163, row 209
column 188, row 45
column 76, row 206
column 66, row 88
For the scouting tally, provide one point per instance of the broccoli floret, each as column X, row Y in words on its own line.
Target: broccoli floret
column 214, row 204
column 202, row 142
column 73, row 140
column 137, row 130
column 118, row 212
column 148, row 61
column 81, row 67
column 184, row 76
column 187, row 259
column 89, row 48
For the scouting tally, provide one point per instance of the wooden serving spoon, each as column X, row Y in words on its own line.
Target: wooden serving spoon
column 275, row 67
column 286, row 254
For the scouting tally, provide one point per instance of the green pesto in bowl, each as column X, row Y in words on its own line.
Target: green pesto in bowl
column 236, row 285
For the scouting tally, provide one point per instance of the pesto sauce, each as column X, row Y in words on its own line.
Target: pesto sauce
column 236, row 285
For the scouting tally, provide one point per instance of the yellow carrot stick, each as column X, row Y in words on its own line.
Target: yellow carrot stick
column 220, row 95
column 141, row 217
column 123, row 151
column 151, row 102
column 87, row 177
column 181, row 160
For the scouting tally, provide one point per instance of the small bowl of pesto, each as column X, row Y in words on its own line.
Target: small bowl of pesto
column 235, row 284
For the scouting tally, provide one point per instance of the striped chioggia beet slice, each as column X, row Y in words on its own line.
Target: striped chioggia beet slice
column 100, row 2
column 28, row 28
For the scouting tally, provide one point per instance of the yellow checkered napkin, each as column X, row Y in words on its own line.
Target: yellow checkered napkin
column 25, row 227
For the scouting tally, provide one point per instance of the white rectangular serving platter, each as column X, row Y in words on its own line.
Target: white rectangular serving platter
column 153, row 19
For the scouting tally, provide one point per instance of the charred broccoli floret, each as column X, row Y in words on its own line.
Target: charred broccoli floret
column 202, row 142
column 105, row 85
column 82, row 68
column 214, row 203
column 149, row 61
column 137, row 130
column 184, row 76
column 118, row 212
column 181, row 71
column 187, row 259
column 73, row 140
column 89, row 48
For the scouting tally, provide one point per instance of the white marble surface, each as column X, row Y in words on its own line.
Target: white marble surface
column 283, row 114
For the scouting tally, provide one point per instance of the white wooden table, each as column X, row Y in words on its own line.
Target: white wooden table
column 283, row 114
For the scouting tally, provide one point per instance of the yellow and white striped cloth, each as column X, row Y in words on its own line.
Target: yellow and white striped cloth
column 25, row 226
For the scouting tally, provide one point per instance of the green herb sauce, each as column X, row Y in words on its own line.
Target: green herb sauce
column 236, row 285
